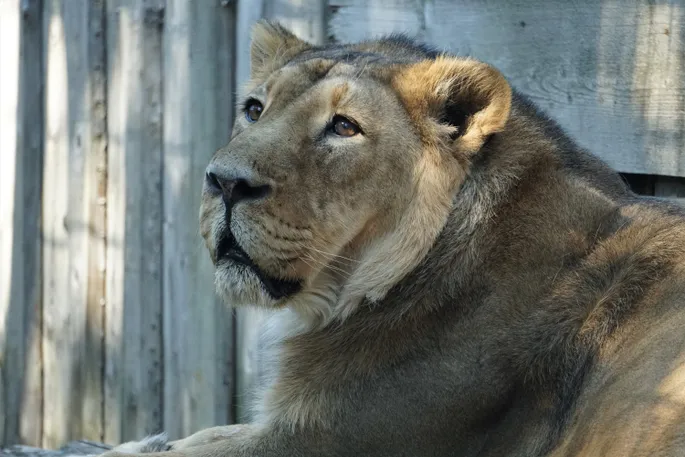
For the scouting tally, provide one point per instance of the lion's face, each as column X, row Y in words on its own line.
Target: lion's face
column 329, row 155
column 331, row 188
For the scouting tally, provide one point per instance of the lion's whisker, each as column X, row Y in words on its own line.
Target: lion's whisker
column 318, row 270
column 334, row 256
column 328, row 266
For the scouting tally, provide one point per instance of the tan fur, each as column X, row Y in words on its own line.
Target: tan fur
column 424, row 87
column 472, row 282
column 272, row 47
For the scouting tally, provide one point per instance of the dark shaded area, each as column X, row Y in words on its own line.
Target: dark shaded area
column 23, row 320
column 640, row 184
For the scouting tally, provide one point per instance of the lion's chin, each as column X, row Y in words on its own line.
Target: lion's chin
column 239, row 284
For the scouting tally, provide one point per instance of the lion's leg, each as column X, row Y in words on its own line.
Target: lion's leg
column 149, row 444
column 243, row 441
column 207, row 436
column 159, row 443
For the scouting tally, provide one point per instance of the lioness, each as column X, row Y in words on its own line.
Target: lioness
column 453, row 275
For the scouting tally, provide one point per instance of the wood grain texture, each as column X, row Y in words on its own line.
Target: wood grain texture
column 198, row 107
column 133, row 371
column 10, row 213
column 247, row 13
column 95, row 189
column 65, row 227
column 21, row 136
column 29, row 398
column 304, row 18
column 609, row 72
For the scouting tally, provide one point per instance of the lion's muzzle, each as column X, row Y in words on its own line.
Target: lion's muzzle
column 235, row 188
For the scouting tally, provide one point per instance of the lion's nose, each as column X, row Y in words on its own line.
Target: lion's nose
column 234, row 189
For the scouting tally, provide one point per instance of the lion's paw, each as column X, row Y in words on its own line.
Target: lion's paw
column 152, row 443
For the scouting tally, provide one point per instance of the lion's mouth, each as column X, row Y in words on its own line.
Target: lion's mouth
column 229, row 250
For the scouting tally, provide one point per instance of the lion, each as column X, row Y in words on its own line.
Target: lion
column 448, row 273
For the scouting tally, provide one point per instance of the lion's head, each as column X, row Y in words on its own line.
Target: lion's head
column 342, row 168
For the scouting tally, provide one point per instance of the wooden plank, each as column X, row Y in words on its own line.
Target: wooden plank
column 21, row 135
column 30, row 406
column 64, row 219
column 307, row 19
column 609, row 72
column 73, row 217
column 10, row 178
column 133, row 360
column 95, row 189
column 198, row 104
column 247, row 13
column 10, row 133
column 352, row 20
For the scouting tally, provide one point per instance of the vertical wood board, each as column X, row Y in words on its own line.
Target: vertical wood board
column 10, row 216
column 65, row 227
column 28, row 397
column 198, row 105
column 133, row 360
column 95, row 191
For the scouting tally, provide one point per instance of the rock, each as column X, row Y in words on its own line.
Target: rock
column 74, row 448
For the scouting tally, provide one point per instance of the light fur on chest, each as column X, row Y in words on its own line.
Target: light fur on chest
column 277, row 399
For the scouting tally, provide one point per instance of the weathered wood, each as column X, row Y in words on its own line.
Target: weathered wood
column 95, row 191
column 21, row 136
column 133, row 371
column 30, row 405
column 307, row 18
column 65, row 226
column 10, row 217
column 247, row 13
column 198, row 106
column 10, row 211
column 609, row 72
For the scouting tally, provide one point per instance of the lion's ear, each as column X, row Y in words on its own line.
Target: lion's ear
column 455, row 101
column 272, row 47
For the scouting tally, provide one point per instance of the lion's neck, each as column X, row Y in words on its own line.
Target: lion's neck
column 528, row 207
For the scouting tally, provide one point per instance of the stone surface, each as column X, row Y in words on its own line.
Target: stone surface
column 74, row 448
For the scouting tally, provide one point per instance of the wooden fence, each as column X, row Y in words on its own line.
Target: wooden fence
column 109, row 113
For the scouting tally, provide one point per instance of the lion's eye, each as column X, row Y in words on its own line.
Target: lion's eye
column 253, row 110
column 344, row 127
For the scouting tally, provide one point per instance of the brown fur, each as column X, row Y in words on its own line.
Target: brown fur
column 472, row 283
